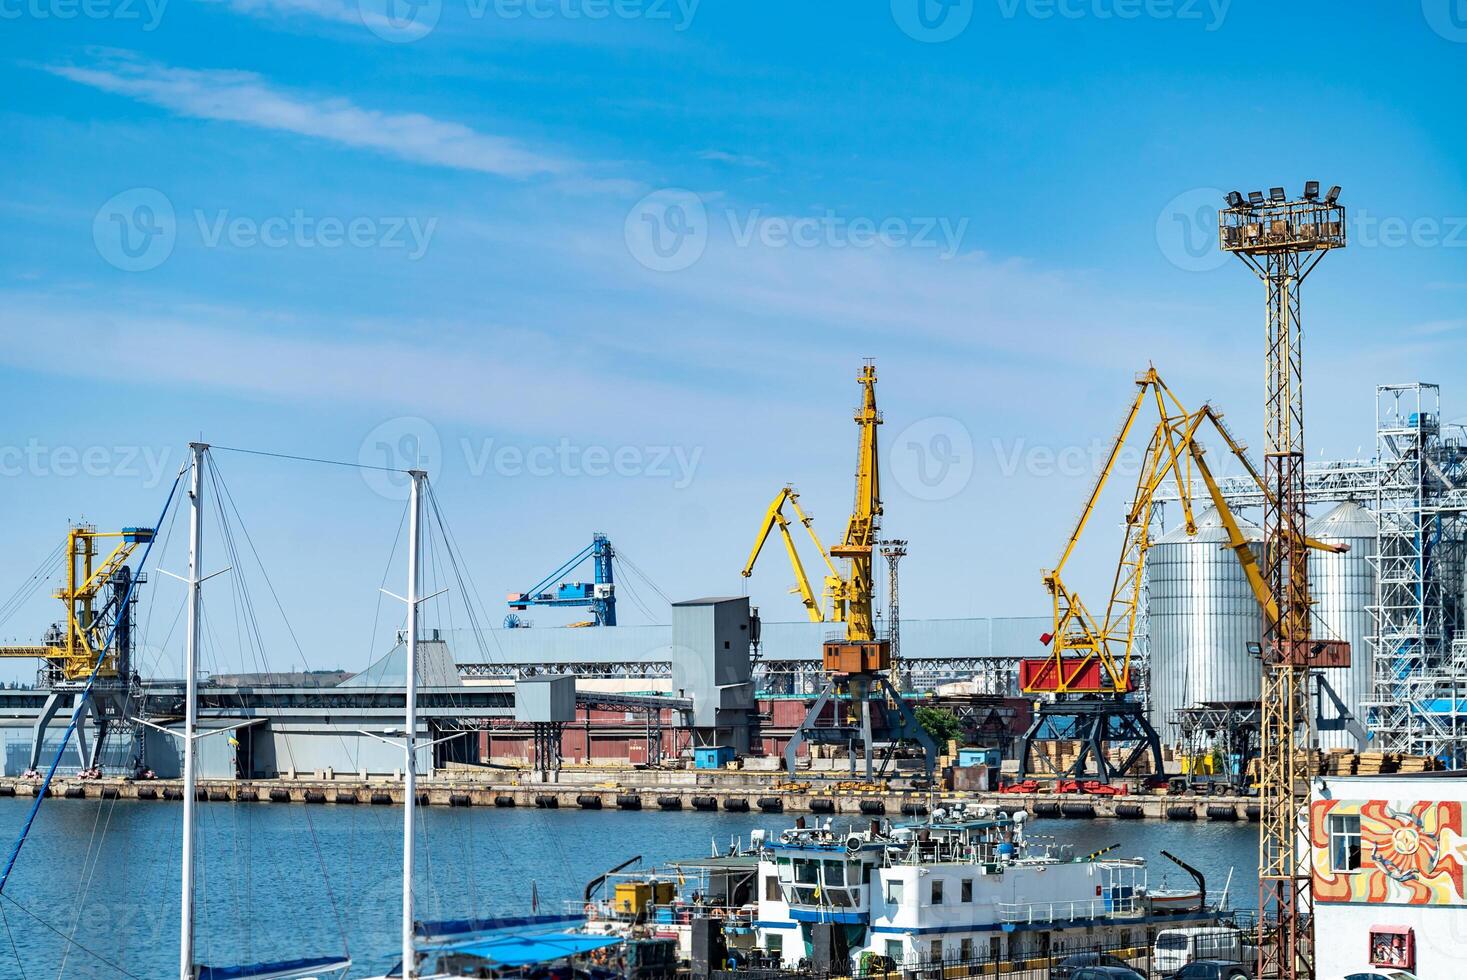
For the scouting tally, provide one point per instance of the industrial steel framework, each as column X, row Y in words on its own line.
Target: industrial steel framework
column 1282, row 241
column 1416, row 700
column 1416, row 488
column 894, row 551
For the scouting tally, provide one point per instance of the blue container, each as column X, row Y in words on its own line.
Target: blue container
column 712, row 756
column 978, row 757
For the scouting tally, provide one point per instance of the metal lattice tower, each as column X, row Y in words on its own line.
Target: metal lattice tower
column 893, row 551
column 1282, row 241
column 1416, row 698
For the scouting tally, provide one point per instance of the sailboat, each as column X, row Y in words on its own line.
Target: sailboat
column 188, row 969
column 465, row 947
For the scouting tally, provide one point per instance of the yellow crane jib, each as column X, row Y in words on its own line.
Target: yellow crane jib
column 833, row 608
column 75, row 645
column 1090, row 654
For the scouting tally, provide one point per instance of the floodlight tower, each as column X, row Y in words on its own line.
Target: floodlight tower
column 1282, row 240
column 894, row 550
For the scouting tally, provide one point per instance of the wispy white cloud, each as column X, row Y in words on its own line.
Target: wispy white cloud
column 735, row 159
column 247, row 98
column 441, row 369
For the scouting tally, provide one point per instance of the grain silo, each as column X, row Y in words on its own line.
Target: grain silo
column 1343, row 587
column 1202, row 616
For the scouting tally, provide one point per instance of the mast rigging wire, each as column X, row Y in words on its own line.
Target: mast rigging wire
column 81, row 702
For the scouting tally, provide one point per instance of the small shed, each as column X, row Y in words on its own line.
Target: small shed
column 712, row 756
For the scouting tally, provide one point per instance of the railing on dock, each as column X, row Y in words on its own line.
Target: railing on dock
column 1018, row 965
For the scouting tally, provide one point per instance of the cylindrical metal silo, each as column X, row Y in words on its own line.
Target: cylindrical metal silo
column 1343, row 587
column 1202, row 616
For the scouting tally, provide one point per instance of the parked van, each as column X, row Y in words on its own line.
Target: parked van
column 1175, row 948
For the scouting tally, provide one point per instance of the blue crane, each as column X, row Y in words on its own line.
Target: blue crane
column 599, row 596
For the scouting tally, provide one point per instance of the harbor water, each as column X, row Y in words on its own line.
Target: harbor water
column 95, row 893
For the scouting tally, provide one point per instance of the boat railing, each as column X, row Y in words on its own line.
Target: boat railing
column 1037, row 912
column 676, row 914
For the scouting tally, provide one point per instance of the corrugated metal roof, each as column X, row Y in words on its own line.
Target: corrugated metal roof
column 1210, row 530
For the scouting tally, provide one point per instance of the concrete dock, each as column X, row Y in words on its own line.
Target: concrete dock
column 671, row 791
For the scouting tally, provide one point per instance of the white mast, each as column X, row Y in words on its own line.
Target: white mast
column 191, row 707
column 410, row 780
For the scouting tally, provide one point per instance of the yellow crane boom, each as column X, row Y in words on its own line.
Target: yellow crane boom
column 1091, row 655
column 774, row 518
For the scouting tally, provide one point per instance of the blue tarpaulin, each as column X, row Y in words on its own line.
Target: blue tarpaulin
column 528, row 950
column 286, row 970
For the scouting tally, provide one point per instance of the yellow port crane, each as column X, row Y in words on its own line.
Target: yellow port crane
column 845, row 598
column 74, row 647
column 856, row 660
column 833, row 606
column 1088, row 670
column 859, row 540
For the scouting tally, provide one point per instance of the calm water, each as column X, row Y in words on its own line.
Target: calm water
column 279, row 881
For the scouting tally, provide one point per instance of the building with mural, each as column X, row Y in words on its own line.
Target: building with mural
column 1389, row 858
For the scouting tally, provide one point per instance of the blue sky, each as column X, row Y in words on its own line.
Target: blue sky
column 332, row 228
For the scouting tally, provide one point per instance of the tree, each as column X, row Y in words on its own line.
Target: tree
column 941, row 725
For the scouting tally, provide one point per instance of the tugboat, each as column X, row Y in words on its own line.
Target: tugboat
column 965, row 884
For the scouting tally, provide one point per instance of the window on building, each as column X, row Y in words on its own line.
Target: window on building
column 934, row 951
column 1344, row 842
column 771, row 888
column 967, row 889
column 937, row 891
column 776, row 944
column 894, row 892
column 894, row 951
column 965, row 948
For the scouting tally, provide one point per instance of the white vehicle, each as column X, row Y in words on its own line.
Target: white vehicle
column 1175, row 948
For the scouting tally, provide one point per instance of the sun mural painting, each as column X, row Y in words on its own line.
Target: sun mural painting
column 1383, row 852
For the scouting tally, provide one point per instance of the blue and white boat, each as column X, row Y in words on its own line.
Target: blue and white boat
column 964, row 885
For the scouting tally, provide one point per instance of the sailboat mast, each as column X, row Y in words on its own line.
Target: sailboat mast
column 191, row 706
column 410, row 779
